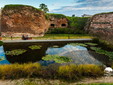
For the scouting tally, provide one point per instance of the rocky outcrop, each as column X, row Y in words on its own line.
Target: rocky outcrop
column 58, row 23
column 20, row 19
column 101, row 25
column 57, row 20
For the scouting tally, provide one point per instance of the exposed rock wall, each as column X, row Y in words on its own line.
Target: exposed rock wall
column 23, row 20
column 58, row 23
column 101, row 25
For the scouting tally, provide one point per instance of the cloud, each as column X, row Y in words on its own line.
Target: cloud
column 87, row 5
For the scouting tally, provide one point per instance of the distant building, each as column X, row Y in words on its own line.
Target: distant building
column 86, row 15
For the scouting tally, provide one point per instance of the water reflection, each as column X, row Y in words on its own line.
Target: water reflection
column 3, row 59
column 78, row 54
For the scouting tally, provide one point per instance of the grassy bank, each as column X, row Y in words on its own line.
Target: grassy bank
column 55, row 36
column 65, row 72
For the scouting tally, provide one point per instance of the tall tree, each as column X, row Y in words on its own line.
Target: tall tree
column 44, row 7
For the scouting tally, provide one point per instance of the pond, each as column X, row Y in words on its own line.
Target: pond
column 78, row 53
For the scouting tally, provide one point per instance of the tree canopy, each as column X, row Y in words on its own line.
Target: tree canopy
column 44, row 7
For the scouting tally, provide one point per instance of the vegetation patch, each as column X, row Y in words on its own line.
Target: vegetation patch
column 35, row 47
column 101, row 51
column 50, row 15
column 92, row 44
column 1, row 43
column 57, row 58
column 15, row 52
column 2, row 58
column 78, row 44
column 17, row 6
column 35, row 70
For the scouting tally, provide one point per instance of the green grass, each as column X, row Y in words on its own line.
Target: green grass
column 17, row 6
column 49, row 15
column 64, row 36
column 55, row 36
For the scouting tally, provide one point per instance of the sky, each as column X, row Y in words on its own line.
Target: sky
column 68, row 7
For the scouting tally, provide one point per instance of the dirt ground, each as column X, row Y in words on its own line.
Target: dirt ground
column 56, row 82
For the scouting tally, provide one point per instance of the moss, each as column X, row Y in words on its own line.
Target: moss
column 49, row 15
column 102, row 13
column 17, row 6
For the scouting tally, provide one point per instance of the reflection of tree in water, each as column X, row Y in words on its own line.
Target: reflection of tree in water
column 30, row 55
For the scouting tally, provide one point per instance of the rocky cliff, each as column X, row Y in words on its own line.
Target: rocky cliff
column 57, row 20
column 101, row 25
column 20, row 19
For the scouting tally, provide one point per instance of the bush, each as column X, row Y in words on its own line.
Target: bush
column 77, row 71
column 78, row 24
column 19, row 70
column 54, row 71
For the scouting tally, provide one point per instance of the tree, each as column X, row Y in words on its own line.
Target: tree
column 44, row 7
column 73, row 15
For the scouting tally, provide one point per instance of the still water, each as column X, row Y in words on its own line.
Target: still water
column 78, row 54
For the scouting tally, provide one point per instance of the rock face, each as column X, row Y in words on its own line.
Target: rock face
column 58, row 23
column 101, row 25
column 19, row 20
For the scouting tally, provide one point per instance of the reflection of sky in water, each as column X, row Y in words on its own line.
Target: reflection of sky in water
column 3, row 59
column 78, row 54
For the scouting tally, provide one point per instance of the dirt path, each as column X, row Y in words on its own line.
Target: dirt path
column 56, row 82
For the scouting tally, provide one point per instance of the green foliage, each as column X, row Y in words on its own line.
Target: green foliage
column 57, row 59
column 44, row 7
column 79, row 44
column 78, row 71
column 59, row 31
column 1, row 43
column 101, row 51
column 35, row 47
column 102, row 43
column 33, row 70
column 17, row 6
column 19, row 70
column 15, row 52
column 78, row 24
column 2, row 58
column 50, row 15
column 92, row 44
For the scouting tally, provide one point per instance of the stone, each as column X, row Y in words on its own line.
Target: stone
column 23, row 20
column 101, row 25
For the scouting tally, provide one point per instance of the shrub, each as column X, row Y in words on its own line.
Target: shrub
column 77, row 71
column 19, row 70
column 32, row 70
column 78, row 24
